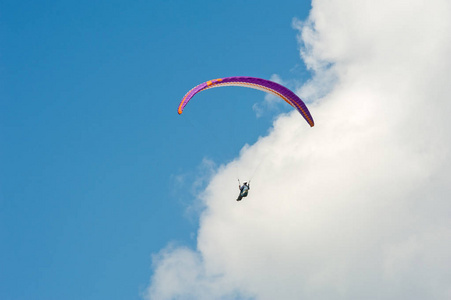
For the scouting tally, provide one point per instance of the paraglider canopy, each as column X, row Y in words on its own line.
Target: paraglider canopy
column 255, row 83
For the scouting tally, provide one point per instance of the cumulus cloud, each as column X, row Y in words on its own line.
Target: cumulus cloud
column 358, row 206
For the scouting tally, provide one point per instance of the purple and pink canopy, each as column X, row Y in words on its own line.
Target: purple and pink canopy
column 255, row 83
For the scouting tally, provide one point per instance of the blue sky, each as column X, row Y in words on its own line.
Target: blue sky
column 91, row 143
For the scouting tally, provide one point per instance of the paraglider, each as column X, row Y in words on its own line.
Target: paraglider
column 254, row 83
column 244, row 190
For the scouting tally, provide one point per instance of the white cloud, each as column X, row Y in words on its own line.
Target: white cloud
column 358, row 206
